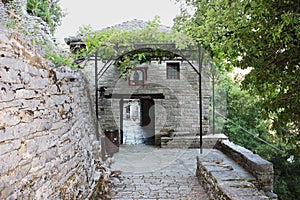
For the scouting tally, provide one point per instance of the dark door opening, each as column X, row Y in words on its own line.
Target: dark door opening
column 138, row 121
column 148, row 120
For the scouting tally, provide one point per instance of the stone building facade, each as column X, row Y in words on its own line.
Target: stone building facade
column 168, row 93
column 178, row 107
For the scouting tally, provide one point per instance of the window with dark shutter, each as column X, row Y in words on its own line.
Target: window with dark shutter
column 173, row 70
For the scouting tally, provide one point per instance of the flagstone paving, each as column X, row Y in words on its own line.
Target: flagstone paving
column 148, row 172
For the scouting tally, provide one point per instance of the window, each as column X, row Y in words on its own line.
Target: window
column 173, row 70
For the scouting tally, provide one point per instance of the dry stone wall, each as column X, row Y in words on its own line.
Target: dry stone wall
column 32, row 29
column 47, row 145
column 261, row 169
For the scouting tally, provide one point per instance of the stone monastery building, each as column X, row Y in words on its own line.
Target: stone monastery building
column 161, row 98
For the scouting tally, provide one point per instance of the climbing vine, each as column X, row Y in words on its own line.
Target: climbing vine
column 113, row 42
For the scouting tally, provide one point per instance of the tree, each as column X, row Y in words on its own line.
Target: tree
column 263, row 35
column 244, row 109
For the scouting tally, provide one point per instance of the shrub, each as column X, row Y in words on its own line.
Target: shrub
column 48, row 10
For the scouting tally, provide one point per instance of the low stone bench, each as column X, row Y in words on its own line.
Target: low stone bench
column 232, row 172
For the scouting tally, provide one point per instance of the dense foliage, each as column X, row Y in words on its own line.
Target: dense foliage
column 263, row 35
column 244, row 110
column 112, row 43
column 49, row 10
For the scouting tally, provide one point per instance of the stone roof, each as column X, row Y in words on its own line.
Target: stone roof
column 136, row 24
column 128, row 26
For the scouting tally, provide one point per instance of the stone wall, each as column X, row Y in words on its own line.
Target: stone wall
column 179, row 110
column 47, row 145
column 31, row 29
column 261, row 169
column 232, row 172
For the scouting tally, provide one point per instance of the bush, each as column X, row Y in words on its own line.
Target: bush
column 48, row 10
column 245, row 110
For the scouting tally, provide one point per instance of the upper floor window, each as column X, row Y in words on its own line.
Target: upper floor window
column 173, row 70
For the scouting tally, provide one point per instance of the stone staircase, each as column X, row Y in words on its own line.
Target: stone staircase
column 186, row 140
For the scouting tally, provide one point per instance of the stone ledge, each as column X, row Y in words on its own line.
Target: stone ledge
column 261, row 169
column 224, row 179
column 191, row 141
column 210, row 140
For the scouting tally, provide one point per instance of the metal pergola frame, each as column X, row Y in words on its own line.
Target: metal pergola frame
column 191, row 54
column 185, row 55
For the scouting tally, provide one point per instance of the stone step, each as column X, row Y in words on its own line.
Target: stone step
column 183, row 134
column 179, row 133
column 191, row 141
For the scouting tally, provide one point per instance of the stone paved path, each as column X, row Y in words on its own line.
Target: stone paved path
column 153, row 173
column 133, row 133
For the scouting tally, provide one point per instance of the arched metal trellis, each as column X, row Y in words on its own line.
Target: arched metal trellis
column 169, row 51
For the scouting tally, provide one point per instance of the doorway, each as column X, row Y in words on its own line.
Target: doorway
column 138, row 121
column 148, row 120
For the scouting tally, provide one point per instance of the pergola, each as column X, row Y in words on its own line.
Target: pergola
column 153, row 51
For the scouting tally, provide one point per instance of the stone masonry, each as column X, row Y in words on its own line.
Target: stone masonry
column 47, row 145
column 232, row 172
column 260, row 168
column 180, row 108
column 13, row 14
column 148, row 172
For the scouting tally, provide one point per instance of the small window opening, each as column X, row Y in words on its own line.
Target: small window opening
column 173, row 70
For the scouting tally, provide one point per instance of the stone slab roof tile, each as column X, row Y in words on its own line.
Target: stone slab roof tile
column 128, row 26
column 136, row 24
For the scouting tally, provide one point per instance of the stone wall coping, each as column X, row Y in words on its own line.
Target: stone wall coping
column 220, row 136
column 256, row 165
column 249, row 155
column 224, row 178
